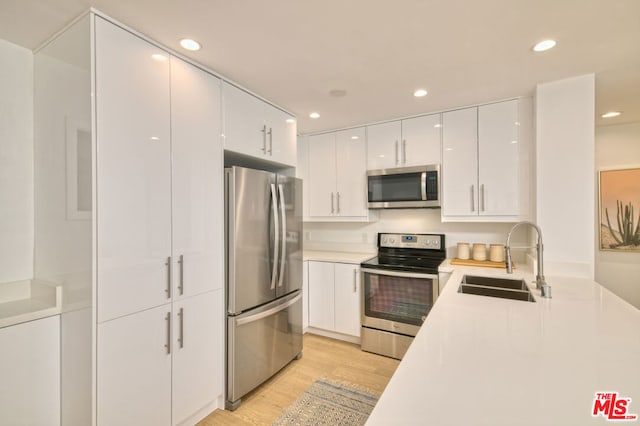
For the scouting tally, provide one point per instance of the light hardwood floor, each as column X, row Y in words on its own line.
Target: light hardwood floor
column 321, row 357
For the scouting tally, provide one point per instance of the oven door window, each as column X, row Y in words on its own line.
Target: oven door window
column 396, row 298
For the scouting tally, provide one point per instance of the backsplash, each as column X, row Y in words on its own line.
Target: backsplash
column 361, row 237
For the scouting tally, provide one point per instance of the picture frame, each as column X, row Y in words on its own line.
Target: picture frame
column 619, row 209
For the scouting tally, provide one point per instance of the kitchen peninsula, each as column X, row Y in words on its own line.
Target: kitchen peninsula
column 488, row 361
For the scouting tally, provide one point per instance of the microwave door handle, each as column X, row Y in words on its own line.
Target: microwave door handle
column 423, row 185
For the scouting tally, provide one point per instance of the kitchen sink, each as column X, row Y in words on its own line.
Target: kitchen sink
column 496, row 287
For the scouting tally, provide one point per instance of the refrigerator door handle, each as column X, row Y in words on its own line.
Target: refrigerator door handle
column 268, row 312
column 276, row 243
column 283, row 232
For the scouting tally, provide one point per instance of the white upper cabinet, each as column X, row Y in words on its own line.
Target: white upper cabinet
column 337, row 175
column 255, row 128
column 351, row 182
column 133, row 172
column 498, row 159
column 460, row 162
column 404, row 143
column 197, row 186
column 486, row 162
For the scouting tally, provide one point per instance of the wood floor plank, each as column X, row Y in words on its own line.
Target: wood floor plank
column 322, row 357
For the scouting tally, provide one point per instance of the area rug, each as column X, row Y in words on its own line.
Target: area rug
column 329, row 403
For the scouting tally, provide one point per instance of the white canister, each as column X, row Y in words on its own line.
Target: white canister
column 496, row 252
column 463, row 251
column 479, row 251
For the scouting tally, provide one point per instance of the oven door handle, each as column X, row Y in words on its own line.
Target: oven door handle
column 398, row 273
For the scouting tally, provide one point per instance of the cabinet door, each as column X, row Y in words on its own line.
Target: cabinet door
column 460, row 162
column 30, row 371
column 321, row 295
column 197, row 353
column 351, row 179
column 322, row 175
column 383, row 146
column 282, row 136
column 134, row 369
column 244, row 127
column 197, row 187
column 421, row 140
column 133, row 172
column 498, row 171
column 347, row 299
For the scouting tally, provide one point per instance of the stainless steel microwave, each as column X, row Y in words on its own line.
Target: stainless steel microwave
column 404, row 187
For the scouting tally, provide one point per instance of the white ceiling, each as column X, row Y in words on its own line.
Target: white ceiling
column 463, row 52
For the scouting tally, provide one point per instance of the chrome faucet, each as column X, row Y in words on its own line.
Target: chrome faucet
column 545, row 289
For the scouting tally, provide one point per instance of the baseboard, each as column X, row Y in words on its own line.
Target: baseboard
column 334, row 335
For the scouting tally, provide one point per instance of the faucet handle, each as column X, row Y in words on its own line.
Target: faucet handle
column 545, row 291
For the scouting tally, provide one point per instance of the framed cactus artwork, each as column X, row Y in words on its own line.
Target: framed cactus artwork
column 620, row 209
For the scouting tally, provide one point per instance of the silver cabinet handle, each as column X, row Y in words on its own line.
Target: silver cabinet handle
column 276, row 230
column 181, row 282
column 481, row 201
column 473, row 201
column 284, row 234
column 167, row 318
column 181, row 337
column 397, row 161
column 332, row 209
column 270, row 141
column 338, row 202
column 264, row 138
column 168, row 289
column 404, row 151
column 355, row 280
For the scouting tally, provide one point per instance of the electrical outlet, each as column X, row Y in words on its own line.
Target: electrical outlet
column 365, row 237
column 306, row 236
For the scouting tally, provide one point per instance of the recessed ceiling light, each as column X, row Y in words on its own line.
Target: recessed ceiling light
column 290, row 120
column 544, row 45
column 420, row 93
column 355, row 137
column 159, row 57
column 314, row 115
column 190, row 44
column 611, row 114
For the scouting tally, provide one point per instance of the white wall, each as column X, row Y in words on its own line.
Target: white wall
column 362, row 236
column 618, row 146
column 16, row 163
column 565, row 179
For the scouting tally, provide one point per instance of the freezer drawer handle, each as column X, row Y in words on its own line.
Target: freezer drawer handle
column 276, row 244
column 283, row 255
column 268, row 312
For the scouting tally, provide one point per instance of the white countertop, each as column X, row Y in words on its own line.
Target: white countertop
column 28, row 300
column 487, row 361
column 336, row 256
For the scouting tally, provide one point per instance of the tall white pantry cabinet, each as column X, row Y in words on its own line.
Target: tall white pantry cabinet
column 159, row 180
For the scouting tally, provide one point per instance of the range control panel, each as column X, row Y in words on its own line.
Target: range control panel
column 417, row 241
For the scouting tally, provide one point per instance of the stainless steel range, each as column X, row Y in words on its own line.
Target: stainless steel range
column 399, row 286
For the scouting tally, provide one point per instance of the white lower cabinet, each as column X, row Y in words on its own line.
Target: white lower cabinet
column 161, row 366
column 334, row 297
column 30, row 372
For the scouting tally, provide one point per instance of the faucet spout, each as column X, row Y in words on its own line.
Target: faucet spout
column 541, row 284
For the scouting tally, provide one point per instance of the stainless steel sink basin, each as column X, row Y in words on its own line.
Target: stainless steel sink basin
column 495, row 287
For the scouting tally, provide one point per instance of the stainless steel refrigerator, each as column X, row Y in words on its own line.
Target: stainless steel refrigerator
column 264, row 277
